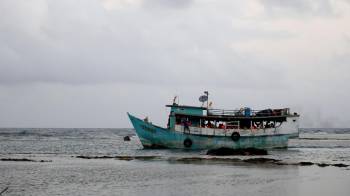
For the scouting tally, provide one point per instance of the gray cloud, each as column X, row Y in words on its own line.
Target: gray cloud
column 257, row 53
column 300, row 8
column 90, row 46
column 167, row 3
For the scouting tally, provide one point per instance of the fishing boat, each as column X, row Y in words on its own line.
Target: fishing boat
column 202, row 127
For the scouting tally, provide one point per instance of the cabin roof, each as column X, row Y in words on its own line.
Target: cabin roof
column 186, row 106
column 219, row 117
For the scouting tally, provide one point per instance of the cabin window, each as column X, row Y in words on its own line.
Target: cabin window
column 232, row 125
column 192, row 121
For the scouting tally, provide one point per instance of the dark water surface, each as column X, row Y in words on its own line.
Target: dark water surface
column 66, row 174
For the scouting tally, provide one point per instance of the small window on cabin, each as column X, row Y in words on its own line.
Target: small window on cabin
column 178, row 120
column 195, row 122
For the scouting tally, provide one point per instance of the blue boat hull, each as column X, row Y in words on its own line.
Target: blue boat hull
column 152, row 136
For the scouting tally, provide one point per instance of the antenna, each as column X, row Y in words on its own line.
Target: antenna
column 174, row 99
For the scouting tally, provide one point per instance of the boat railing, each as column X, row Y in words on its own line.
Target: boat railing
column 244, row 112
column 204, row 130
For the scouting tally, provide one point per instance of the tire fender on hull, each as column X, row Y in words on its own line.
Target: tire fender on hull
column 235, row 136
column 188, row 142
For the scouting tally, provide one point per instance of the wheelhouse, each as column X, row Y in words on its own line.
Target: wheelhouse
column 244, row 118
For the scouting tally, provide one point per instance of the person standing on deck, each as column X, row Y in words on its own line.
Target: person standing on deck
column 186, row 124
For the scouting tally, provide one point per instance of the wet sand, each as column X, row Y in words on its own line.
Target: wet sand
column 74, row 176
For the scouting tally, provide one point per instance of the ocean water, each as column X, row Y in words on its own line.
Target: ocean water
column 164, row 172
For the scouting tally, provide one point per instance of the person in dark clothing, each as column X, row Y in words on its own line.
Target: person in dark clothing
column 186, row 125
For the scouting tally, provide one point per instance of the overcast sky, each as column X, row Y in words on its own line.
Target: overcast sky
column 85, row 63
